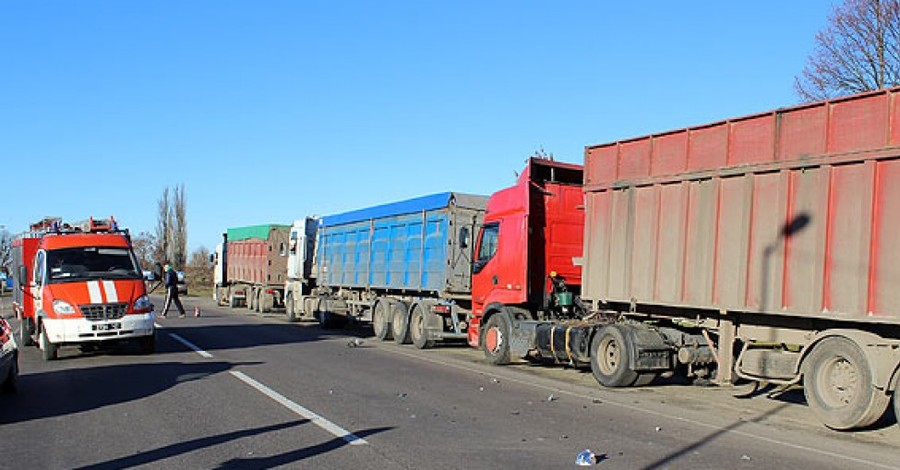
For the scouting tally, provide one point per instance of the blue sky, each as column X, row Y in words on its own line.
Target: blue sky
column 268, row 111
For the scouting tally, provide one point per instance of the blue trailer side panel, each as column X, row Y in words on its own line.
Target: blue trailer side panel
column 403, row 246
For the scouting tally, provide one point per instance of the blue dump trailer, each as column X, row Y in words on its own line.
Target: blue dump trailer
column 404, row 266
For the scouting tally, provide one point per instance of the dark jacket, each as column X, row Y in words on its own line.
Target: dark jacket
column 171, row 279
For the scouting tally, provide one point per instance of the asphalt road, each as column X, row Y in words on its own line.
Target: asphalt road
column 235, row 390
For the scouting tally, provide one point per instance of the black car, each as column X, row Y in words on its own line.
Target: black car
column 9, row 358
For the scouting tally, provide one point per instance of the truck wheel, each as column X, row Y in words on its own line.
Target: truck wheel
column 289, row 310
column 400, row 322
column 26, row 329
column 381, row 322
column 262, row 302
column 610, row 356
column 417, row 332
column 897, row 405
column 251, row 299
column 49, row 351
column 147, row 344
column 837, row 383
column 495, row 339
column 10, row 383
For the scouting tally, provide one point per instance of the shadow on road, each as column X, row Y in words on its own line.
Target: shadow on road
column 68, row 391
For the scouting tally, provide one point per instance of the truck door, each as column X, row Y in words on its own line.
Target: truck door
column 38, row 280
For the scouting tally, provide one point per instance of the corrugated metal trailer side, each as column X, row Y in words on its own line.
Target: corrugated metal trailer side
column 790, row 212
column 406, row 266
column 761, row 247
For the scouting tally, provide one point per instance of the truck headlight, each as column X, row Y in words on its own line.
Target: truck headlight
column 142, row 303
column 61, row 307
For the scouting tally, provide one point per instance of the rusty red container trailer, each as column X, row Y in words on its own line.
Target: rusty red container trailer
column 259, row 261
column 793, row 212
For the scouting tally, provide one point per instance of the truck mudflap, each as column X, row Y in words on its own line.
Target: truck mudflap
column 650, row 350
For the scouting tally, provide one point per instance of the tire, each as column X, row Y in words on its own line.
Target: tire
column 250, row 299
column 495, row 339
column 26, row 330
column 897, row 405
column 400, row 322
column 610, row 355
column 381, row 321
column 417, row 332
column 147, row 344
column 49, row 351
column 11, row 382
column 289, row 310
column 837, row 383
column 262, row 301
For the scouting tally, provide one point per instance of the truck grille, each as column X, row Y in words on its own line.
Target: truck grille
column 97, row 312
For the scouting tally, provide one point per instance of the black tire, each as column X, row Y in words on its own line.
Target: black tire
column 251, row 299
column 897, row 405
column 400, row 322
column 26, row 330
column 837, row 383
column 49, row 351
column 495, row 339
column 417, row 331
column 11, row 382
column 147, row 344
column 289, row 310
column 610, row 356
column 381, row 321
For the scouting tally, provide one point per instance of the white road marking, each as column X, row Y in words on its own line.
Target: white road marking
column 316, row 419
column 191, row 345
column 319, row 421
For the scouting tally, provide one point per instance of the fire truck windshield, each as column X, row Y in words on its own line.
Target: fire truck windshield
column 70, row 264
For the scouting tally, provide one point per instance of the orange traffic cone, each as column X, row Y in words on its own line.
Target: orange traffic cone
column 196, row 310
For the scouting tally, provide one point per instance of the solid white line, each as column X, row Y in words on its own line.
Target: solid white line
column 316, row 419
column 191, row 345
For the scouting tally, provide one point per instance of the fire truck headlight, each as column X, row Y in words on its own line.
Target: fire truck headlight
column 142, row 303
column 61, row 307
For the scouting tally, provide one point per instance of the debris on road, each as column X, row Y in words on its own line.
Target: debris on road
column 355, row 343
column 552, row 397
column 585, row 458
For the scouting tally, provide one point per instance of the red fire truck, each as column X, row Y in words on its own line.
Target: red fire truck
column 80, row 284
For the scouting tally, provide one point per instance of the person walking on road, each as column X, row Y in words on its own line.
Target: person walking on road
column 172, row 292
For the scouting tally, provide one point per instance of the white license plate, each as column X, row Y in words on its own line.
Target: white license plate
column 106, row 327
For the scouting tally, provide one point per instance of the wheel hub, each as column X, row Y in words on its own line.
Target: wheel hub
column 493, row 339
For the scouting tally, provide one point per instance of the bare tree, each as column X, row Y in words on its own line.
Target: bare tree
column 200, row 258
column 858, row 51
column 144, row 245
column 163, row 222
column 5, row 250
column 179, row 228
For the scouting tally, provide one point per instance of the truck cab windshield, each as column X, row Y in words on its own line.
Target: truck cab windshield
column 71, row 264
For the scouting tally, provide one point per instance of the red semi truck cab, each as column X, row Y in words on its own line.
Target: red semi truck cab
column 526, row 252
column 80, row 284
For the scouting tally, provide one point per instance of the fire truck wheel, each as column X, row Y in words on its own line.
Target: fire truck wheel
column 49, row 351
column 147, row 344
column 400, row 322
column 25, row 332
column 381, row 321
column 417, row 328
column 10, row 384
column 495, row 339
column 610, row 356
column 837, row 382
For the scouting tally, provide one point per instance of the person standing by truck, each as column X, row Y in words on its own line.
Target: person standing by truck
column 171, row 282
